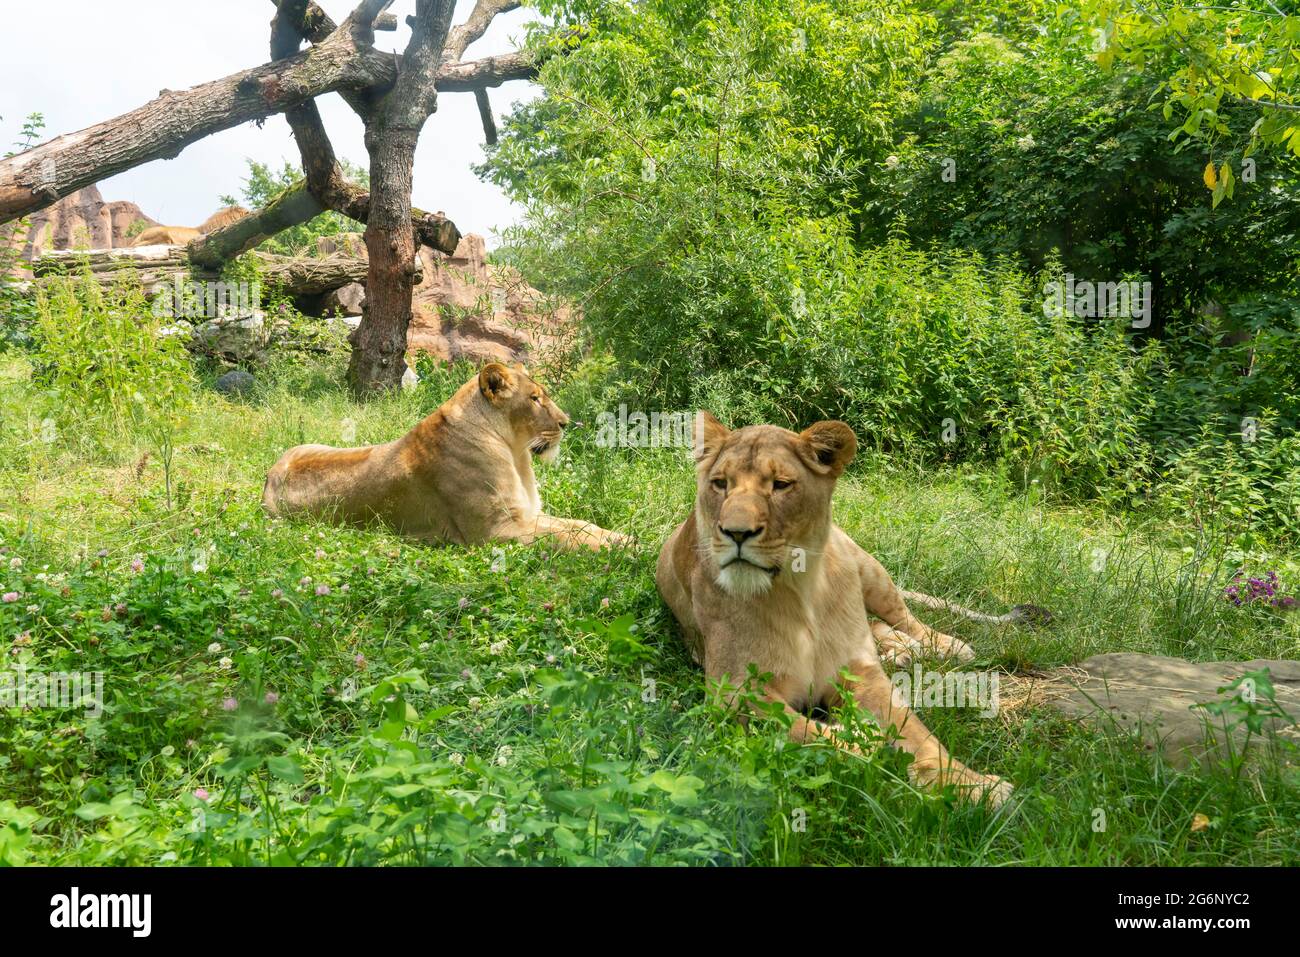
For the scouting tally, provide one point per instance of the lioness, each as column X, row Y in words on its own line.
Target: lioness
column 759, row 574
column 184, row 235
column 464, row 474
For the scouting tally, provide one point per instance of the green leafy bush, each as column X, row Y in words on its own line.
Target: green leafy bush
column 108, row 360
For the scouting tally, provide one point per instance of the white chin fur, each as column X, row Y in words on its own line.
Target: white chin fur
column 551, row 454
column 742, row 580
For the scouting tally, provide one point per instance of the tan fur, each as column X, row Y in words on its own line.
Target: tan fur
column 730, row 575
column 183, row 235
column 166, row 236
column 222, row 218
column 464, row 474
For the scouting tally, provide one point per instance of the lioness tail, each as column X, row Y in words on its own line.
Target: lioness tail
column 1021, row 614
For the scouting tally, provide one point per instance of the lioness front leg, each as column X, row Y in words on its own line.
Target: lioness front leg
column 803, row 729
column 567, row 532
column 883, row 599
column 933, row 765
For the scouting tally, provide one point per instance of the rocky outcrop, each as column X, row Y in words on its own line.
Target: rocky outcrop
column 467, row 308
column 464, row 307
column 80, row 220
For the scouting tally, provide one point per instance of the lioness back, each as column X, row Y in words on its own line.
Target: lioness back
column 166, row 235
column 323, row 481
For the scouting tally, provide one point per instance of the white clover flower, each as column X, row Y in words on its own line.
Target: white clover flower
column 226, row 664
column 214, row 647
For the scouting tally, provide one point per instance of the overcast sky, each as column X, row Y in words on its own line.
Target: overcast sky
column 83, row 61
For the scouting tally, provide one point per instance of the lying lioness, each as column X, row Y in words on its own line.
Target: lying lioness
column 184, row 235
column 761, row 575
column 464, row 474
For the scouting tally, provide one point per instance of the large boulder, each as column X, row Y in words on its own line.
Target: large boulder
column 1156, row 698
column 345, row 301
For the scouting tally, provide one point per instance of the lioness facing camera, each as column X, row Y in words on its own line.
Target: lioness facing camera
column 464, row 474
column 760, row 575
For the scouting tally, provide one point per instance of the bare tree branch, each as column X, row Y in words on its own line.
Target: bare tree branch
column 291, row 208
column 486, row 117
column 325, row 177
column 484, row 12
column 326, row 186
column 467, row 76
column 454, row 76
column 163, row 127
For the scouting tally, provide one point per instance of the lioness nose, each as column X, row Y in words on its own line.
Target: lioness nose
column 740, row 535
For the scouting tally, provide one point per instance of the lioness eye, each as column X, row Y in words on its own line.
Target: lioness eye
column 778, row 484
column 537, row 398
column 720, row 484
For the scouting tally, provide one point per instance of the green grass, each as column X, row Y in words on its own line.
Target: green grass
column 449, row 705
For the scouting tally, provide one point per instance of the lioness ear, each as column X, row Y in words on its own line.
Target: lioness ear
column 495, row 381
column 827, row 447
column 709, row 435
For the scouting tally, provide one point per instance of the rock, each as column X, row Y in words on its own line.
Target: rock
column 241, row 339
column 345, row 301
column 237, row 382
column 466, row 308
column 80, row 219
column 1155, row 697
column 409, row 379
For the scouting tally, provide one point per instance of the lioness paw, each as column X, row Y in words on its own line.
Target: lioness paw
column 946, row 646
column 616, row 540
column 991, row 788
column 897, row 656
column 960, row 650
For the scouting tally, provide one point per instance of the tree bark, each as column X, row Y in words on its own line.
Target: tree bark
column 379, row 342
column 392, row 134
column 291, row 275
column 485, row 116
column 291, row 208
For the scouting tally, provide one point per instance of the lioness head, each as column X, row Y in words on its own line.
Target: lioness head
column 536, row 420
column 762, row 492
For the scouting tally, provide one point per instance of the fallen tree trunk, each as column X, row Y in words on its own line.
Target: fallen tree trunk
column 156, row 266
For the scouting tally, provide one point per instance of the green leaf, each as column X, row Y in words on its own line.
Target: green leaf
column 285, row 768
